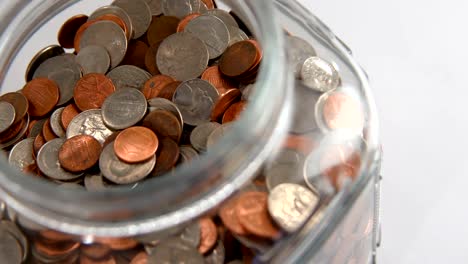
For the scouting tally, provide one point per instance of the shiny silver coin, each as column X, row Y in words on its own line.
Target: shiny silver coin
column 155, row 7
column 182, row 56
column 36, row 129
column 18, row 136
column 187, row 154
column 48, row 163
column 21, row 155
column 7, row 115
column 290, row 205
column 93, row 59
column 56, row 123
column 124, row 108
column 10, row 248
column 195, row 99
column 89, row 123
column 216, row 36
column 287, row 167
column 128, row 76
column 199, row 136
column 217, row 255
column 117, row 11
column 191, row 235
column 299, row 51
column 11, row 228
column 108, row 35
column 64, row 71
column 224, row 16
column 43, row 55
column 236, row 34
column 164, row 104
column 217, row 134
column 304, row 120
column 94, row 183
column 320, row 75
column 140, row 15
column 119, row 172
column 175, row 250
column 180, row 8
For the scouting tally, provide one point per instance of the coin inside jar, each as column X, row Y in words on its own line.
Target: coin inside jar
column 239, row 59
column 153, row 86
column 164, row 124
column 167, row 156
column 20, row 106
column 43, row 96
column 136, row 144
column 68, row 30
column 7, row 115
column 234, row 112
column 93, row 59
column 124, row 108
column 79, row 153
column 92, row 90
column 161, row 28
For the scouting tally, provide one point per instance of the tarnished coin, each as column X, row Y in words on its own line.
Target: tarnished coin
column 136, row 53
column 181, row 8
column 79, row 153
column 217, row 255
column 187, row 154
column 236, row 34
column 161, row 28
column 195, row 99
column 136, row 144
column 55, row 123
column 42, row 94
column 48, row 161
column 234, row 112
column 20, row 104
column 21, row 155
column 94, row 183
column 164, row 104
column 128, row 76
column 37, row 127
column 119, row 172
column 305, row 101
column 108, row 35
column 92, row 90
column 167, row 156
column 290, row 205
column 217, row 134
column 164, row 124
column 124, row 108
column 199, row 136
column 93, row 59
column 66, row 34
column 299, row 51
column 150, row 58
column 224, row 16
column 43, row 55
column 287, row 167
column 155, row 7
column 224, row 102
column 215, row 37
column 175, row 250
column 239, row 59
column 14, row 134
column 89, row 123
column 10, row 249
column 153, row 86
column 168, row 91
column 117, row 11
column 191, row 235
column 319, row 75
column 7, row 115
column 139, row 12
column 182, row 56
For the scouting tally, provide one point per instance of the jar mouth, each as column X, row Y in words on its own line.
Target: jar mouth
column 191, row 190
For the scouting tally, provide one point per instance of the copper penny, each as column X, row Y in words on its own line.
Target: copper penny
column 339, row 163
column 47, row 132
column 208, row 235
column 136, row 53
column 19, row 102
column 221, row 83
column 252, row 214
column 209, row 4
column 95, row 251
column 150, row 59
column 169, row 90
column 239, row 58
column 69, row 112
column 340, row 111
column 184, row 22
column 140, row 258
column 227, row 213
column 56, row 249
column 167, row 156
column 303, row 144
column 67, row 32
column 164, row 124
column 153, row 86
column 79, row 153
column 92, row 90
column 55, row 236
column 42, row 94
column 121, row 243
column 161, row 28
column 107, row 260
column 136, row 144
column 13, row 131
column 39, row 141
column 234, row 112
column 225, row 101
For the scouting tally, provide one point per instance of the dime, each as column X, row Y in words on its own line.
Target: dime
column 92, row 91
column 43, row 96
column 55, row 123
column 199, row 136
column 117, row 11
column 79, row 153
column 181, row 8
column 41, row 56
column 93, row 59
column 136, row 144
column 209, row 235
column 21, row 155
column 128, row 76
column 164, row 124
column 89, row 123
column 299, row 51
column 7, row 115
column 124, row 108
column 67, row 32
column 139, row 12
column 319, row 75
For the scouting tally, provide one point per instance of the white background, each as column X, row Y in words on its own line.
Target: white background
column 415, row 52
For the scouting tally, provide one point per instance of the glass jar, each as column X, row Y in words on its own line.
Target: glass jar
column 165, row 205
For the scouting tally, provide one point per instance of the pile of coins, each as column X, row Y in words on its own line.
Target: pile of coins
column 152, row 85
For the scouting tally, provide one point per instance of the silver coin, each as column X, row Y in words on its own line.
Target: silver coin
column 43, row 55
column 164, row 104
column 224, row 16
column 48, row 163
column 313, row 176
column 7, row 115
column 10, row 249
column 247, row 91
column 128, row 76
column 192, row 235
column 11, row 228
column 94, row 183
column 56, row 123
column 195, row 99
column 108, row 35
column 114, row 10
column 182, row 56
column 215, row 37
column 299, row 51
column 199, row 136
column 319, row 75
column 290, row 205
column 21, row 155
column 89, row 123
column 19, row 136
column 116, row 171
column 180, row 8
column 175, row 251
column 140, row 15
column 286, row 168
column 305, row 99
column 124, row 108
column 155, row 7
column 236, row 34
column 217, row 255
column 36, row 129
column 217, row 134
column 187, row 154
column 64, row 71
column 93, row 59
